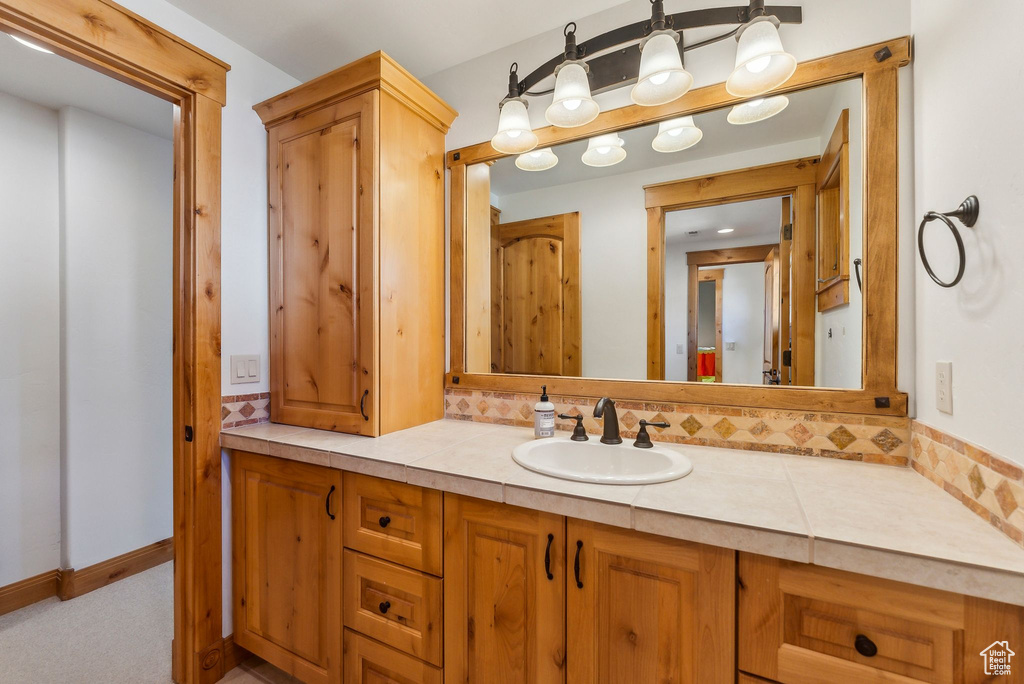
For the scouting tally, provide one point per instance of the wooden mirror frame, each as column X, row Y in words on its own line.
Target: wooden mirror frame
column 106, row 37
column 877, row 65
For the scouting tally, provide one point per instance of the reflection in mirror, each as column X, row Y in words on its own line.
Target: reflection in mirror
column 754, row 285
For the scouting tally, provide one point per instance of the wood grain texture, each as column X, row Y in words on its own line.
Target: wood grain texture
column 109, row 38
column 376, row 71
column 539, row 284
column 234, row 655
column 504, row 619
column 323, row 278
column 396, row 521
column 880, row 196
column 411, row 263
column 650, row 609
column 729, row 255
column 397, row 606
column 457, row 271
column 799, row 623
column 833, row 188
column 286, row 564
column 816, row 72
column 656, row 294
column 28, row 591
column 480, row 278
column 371, row 662
column 772, row 323
column 785, row 252
column 74, row 583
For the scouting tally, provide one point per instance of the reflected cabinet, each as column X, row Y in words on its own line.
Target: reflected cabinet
column 356, row 242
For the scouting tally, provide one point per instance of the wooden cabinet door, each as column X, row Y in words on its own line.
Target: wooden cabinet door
column 504, row 606
column 643, row 608
column 287, row 564
column 322, row 273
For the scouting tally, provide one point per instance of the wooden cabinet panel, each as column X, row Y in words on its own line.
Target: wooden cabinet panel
column 393, row 520
column 371, row 662
column 322, row 261
column 805, row 623
column 504, row 606
column 286, row 553
column 398, row 606
column 650, row 609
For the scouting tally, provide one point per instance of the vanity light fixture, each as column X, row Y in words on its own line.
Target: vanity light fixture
column 757, row 110
column 32, row 45
column 572, row 106
column 604, row 150
column 676, row 135
column 515, row 134
column 649, row 54
column 537, row 160
column 761, row 63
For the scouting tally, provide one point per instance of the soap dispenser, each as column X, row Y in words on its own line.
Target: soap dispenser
column 543, row 416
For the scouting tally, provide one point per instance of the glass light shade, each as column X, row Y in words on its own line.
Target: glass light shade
column 604, row 150
column 758, row 110
column 676, row 135
column 662, row 76
column 30, row 44
column 573, row 106
column 537, row 160
column 761, row 63
column 515, row 135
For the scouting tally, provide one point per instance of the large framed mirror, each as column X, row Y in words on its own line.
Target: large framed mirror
column 712, row 250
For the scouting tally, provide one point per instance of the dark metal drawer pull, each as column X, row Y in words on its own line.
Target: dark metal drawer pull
column 384, row 606
column 865, row 646
column 576, row 564
column 385, row 520
column 328, row 502
column 547, row 558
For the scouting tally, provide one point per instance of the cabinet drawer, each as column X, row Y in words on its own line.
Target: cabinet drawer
column 393, row 520
column 371, row 662
column 804, row 623
column 398, row 606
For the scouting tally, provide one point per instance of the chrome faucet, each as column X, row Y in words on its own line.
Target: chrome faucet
column 606, row 407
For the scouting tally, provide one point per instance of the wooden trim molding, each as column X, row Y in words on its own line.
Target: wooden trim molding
column 114, row 41
column 75, row 583
column 877, row 65
column 28, row 591
column 234, row 655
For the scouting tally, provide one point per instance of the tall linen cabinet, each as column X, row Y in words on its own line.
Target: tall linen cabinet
column 355, row 169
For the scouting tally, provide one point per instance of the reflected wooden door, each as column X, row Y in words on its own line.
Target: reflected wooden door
column 772, row 296
column 537, row 291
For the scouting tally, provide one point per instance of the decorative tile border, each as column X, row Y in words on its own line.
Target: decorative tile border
column 244, row 409
column 872, row 439
column 989, row 485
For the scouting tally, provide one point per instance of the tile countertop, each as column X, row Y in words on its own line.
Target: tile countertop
column 873, row 519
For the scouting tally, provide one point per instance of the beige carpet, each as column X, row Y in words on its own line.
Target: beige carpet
column 120, row 634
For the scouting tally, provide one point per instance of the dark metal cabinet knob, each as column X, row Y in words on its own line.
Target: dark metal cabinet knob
column 865, row 646
column 384, row 606
column 385, row 520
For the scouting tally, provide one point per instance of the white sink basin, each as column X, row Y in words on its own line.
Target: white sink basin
column 591, row 461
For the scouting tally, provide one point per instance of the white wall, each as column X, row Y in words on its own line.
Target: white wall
column 29, row 341
column 837, row 359
column 117, row 251
column 971, row 145
column 244, row 289
column 613, row 251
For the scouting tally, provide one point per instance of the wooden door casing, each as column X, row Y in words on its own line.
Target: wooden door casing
column 651, row 609
column 504, row 607
column 536, row 289
column 772, row 303
column 323, row 235
column 287, row 568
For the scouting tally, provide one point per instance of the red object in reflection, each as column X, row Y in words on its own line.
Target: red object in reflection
column 706, row 364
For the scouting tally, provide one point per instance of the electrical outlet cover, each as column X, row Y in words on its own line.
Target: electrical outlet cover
column 944, row 386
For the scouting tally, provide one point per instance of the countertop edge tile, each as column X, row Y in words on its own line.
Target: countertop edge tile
column 606, row 512
column 988, row 583
column 244, row 443
column 490, row 490
column 387, row 470
column 774, row 543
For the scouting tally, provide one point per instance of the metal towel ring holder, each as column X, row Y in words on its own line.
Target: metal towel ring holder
column 967, row 212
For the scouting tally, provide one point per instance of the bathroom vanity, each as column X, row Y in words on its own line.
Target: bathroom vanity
column 429, row 555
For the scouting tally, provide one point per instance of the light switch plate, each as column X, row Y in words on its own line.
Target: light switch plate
column 944, row 386
column 245, row 369
column 680, row 349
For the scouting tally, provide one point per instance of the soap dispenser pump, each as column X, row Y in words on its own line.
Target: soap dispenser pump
column 543, row 416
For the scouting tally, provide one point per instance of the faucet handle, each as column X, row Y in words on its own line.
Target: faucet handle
column 643, row 440
column 579, row 433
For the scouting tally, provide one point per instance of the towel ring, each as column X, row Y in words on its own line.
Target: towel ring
column 967, row 212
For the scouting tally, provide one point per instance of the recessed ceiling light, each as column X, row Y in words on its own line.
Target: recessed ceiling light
column 725, row 230
column 32, row 45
